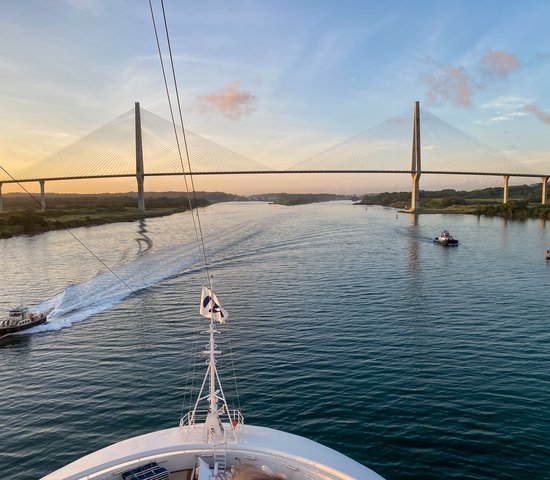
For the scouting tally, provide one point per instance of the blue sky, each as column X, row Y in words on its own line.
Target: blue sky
column 279, row 80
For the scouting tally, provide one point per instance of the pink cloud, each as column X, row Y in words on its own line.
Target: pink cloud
column 537, row 112
column 498, row 63
column 452, row 84
column 231, row 101
column 457, row 86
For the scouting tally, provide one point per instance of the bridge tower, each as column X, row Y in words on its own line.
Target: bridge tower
column 416, row 167
column 42, row 194
column 505, row 189
column 139, row 160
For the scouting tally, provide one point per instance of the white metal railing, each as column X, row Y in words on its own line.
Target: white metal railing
column 234, row 418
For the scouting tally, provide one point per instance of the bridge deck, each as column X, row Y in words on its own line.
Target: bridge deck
column 278, row 172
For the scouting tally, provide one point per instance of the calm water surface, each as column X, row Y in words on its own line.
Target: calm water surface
column 348, row 326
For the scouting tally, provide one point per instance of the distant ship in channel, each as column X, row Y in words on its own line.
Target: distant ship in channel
column 19, row 319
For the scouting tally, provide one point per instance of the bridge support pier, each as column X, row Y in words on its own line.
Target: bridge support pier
column 544, row 196
column 1, row 199
column 42, row 195
column 415, row 194
column 416, row 168
column 505, row 196
column 139, row 160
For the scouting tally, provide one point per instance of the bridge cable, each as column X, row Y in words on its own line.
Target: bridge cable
column 68, row 230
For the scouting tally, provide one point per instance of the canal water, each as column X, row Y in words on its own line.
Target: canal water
column 347, row 325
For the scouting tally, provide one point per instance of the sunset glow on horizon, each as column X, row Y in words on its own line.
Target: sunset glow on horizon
column 275, row 82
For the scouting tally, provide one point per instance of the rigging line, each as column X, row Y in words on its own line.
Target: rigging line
column 158, row 150
column 68, row 230
column 192, row 362
column 184, row 176
column 234, row 371
column 209, row 280
column 203, row 252
column 209, row 277
column 205, row 141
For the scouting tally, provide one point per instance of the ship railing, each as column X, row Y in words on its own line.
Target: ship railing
column 234, row 418
column 196, row 419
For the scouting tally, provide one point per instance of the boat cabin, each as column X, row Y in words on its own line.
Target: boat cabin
column 19, row 312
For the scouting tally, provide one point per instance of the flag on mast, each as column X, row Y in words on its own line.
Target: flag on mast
column 210, row 306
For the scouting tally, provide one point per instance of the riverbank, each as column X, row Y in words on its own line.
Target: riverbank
column 524, row 202
column 80, row 211
column 293, row 199
column 22, row 216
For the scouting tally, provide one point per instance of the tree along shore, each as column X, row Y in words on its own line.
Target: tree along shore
column 293, row 199
column 21, row 215
column 524, row 201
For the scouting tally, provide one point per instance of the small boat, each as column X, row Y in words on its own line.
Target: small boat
column 445, row 238
column 19, row 319
column 548, row 254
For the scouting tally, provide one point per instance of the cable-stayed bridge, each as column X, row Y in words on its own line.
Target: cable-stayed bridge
column 141, row 144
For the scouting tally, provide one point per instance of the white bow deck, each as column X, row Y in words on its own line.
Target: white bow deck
column 178, row 448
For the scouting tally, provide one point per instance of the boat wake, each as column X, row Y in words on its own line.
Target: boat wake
column 230, row 246
column 78, row 302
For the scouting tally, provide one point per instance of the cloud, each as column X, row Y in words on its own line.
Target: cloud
column 231, row 101
column 537, row 112
column 451, row 84
column 508, row 103
column 505, row 108
column 505, row 117
column 456, row 85
column 498, row 63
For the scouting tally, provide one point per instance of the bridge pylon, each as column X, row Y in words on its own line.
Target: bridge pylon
column 139, row 160
column 42, row 194
column 416, row 167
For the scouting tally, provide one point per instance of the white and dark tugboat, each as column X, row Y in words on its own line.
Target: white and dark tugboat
column 19, row 319
column 445, row 238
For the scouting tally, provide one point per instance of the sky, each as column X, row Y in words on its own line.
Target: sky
column 277, row 81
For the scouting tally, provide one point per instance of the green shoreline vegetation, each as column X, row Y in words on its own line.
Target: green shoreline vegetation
column 293, row 199
column 22, row 216
column 524, row 201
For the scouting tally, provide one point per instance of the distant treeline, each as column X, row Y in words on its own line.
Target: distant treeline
column 22, row 215
column 290, row 199
column 23, row 200
column 524, row 201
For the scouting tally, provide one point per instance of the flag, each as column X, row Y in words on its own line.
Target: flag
column 210, row 306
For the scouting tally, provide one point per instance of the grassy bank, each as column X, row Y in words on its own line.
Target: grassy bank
column 22, row 217
column 524, row 202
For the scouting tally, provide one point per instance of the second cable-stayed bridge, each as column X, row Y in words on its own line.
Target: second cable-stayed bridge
column 141, row 144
